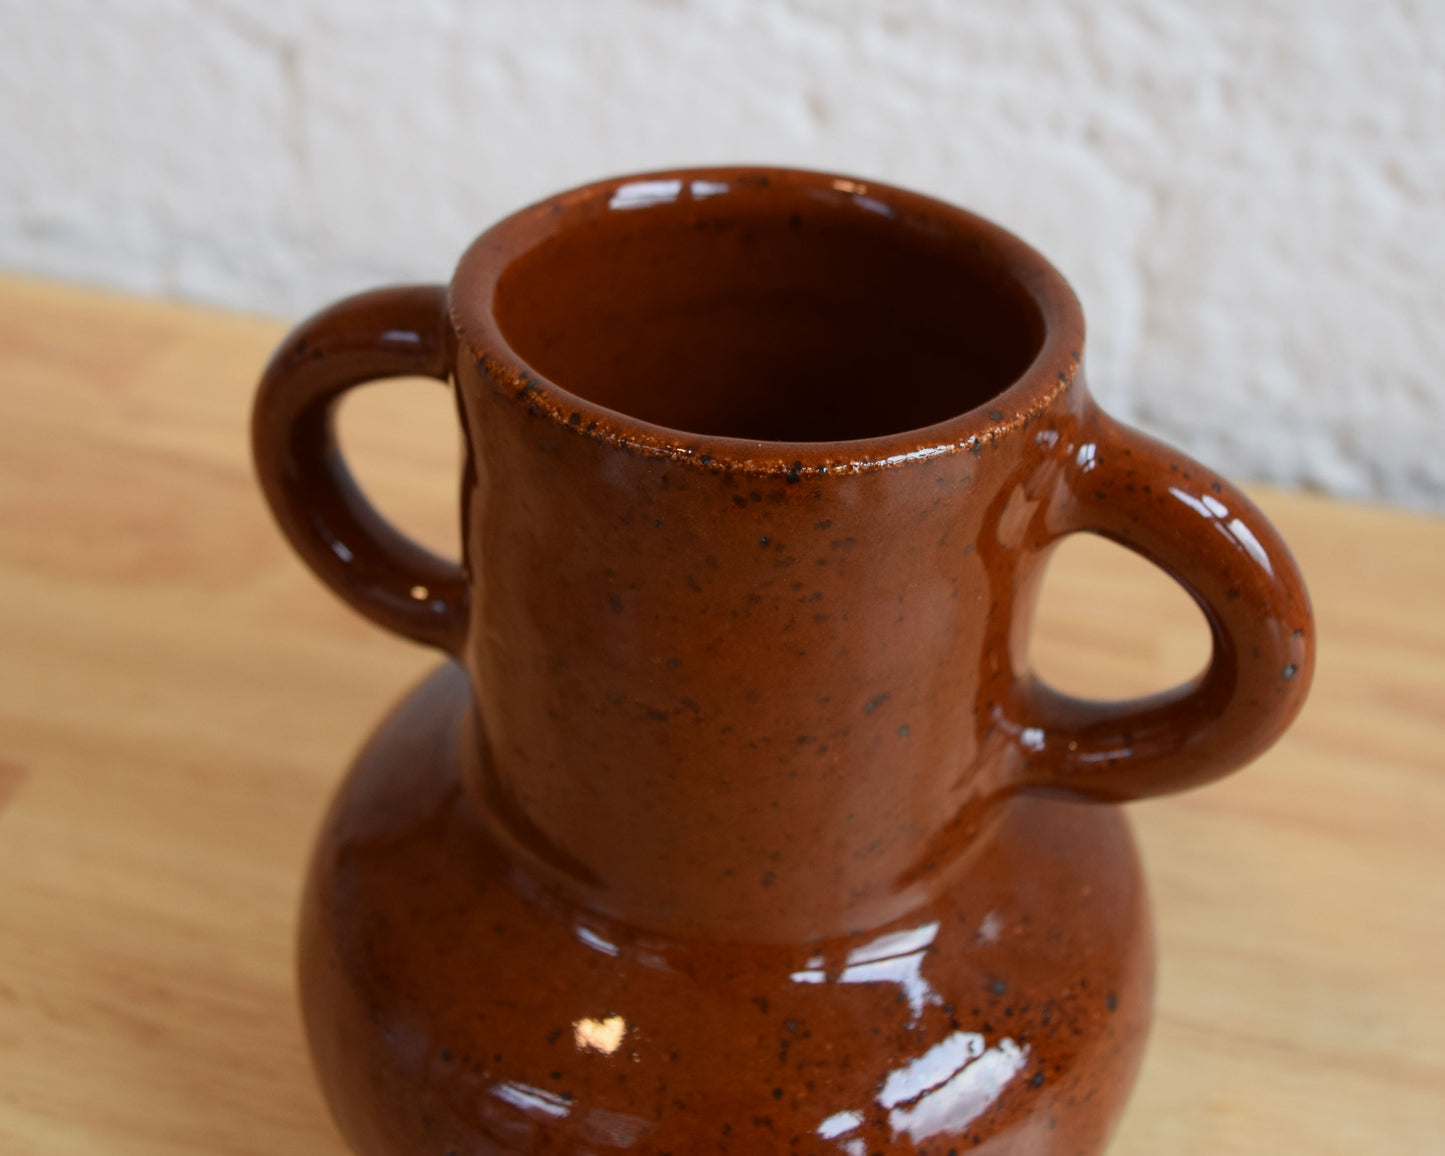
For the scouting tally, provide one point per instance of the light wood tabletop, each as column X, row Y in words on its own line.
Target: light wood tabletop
column 178, row 696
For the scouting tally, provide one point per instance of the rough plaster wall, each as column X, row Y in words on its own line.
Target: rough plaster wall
column 1248, row 195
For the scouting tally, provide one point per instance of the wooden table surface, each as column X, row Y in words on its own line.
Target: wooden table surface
column 178, row 696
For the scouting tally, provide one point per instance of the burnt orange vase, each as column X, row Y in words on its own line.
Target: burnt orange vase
column 735, row 821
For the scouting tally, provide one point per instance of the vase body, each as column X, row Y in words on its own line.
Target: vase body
column 454, row 1005
column 736, row 821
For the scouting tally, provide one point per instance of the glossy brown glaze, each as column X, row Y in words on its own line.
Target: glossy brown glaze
column 454, row 1005
column 728, row 832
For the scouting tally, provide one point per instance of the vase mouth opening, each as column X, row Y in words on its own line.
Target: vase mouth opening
column 767, row 319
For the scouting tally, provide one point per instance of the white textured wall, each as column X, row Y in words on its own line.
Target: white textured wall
column 1249, row 195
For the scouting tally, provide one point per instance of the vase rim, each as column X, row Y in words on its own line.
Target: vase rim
column 1053, row 367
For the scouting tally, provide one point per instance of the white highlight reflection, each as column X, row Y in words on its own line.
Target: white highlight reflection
column 893, row 958
column 873, row 205
column 936, row 1065
column 838, row 1123
column 604, row 1035
column 896, row 958
column 1216, row 511
column 1191, row 501
column 531, row 1099
column 919, row 454
column 895, row 943
column 1245, row 537
column 813, row 972
column 950, row 1084
column 595, row 941
column 641, row 194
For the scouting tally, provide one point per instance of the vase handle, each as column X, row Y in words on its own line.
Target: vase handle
column 398, row 332
column 1127, row 487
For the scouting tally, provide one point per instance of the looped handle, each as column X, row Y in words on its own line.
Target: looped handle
column 1192, row 523
column 397, row 332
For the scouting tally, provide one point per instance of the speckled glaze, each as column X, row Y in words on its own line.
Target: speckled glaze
column 736, row 822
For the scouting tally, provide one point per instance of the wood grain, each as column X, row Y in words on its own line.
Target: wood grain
column 177, row 698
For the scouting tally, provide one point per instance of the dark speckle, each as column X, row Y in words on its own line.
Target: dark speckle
column 795, row 220
column 875, row 702
column 615, row 602
column 1038, row 1080
column 447, row 1055
column 997, row 986
column 1232, row 593
column 903, row 731
column 995, row 415
column 1111, row 1001
column 761, row 1001
column 795, row 471
column 1217, row 488
column 705, row 458
column 575, row 419
column 764, row 541
column 777, row 1093
column 554, row 1035
column 1289, row 671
